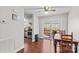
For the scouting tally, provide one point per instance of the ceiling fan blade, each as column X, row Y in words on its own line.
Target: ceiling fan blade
column 53, row 10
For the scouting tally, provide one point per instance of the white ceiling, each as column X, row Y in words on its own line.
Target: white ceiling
column 38, row 10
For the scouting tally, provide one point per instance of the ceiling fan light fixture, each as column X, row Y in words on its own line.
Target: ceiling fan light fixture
column 46, row 8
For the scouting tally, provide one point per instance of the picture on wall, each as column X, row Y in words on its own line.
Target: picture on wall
column 14, row 17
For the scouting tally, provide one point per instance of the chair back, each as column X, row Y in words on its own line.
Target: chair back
column 64, row 39
column 67, row 37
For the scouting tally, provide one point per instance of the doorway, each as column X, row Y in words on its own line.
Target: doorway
column 28, row 26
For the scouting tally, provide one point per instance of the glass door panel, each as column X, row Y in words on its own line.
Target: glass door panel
column 51, row 28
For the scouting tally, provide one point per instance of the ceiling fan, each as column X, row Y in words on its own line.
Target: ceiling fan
column 43, row 9
column 47, row 8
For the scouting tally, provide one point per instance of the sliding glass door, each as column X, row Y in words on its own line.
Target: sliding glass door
column 50, row 28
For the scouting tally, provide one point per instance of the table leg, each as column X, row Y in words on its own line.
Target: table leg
column 76, row 48
column 55, row 45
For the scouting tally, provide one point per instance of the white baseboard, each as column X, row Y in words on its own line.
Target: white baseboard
column 19, row 49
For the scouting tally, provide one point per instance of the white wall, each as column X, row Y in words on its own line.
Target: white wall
column 11, row 32
column 61, row 19
column 73, row 22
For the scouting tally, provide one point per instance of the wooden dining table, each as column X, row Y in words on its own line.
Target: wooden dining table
column 75, row 42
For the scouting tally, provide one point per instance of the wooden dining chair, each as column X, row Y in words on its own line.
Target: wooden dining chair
column 66, row 43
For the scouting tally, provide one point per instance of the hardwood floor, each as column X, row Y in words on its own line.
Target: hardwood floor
column 42, row 46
